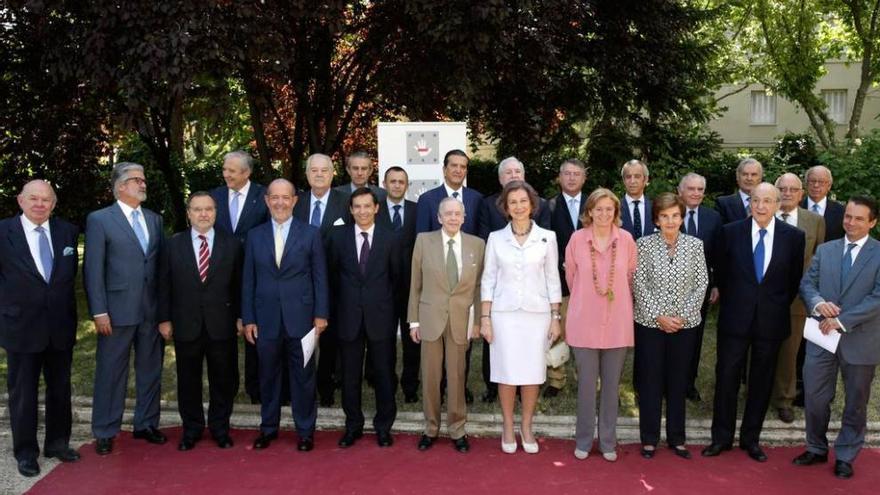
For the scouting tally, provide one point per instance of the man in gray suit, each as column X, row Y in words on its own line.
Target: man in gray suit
column 122, row 248
column 359, row 166
column 842, row 288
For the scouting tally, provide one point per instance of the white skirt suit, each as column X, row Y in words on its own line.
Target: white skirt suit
column 522, row 282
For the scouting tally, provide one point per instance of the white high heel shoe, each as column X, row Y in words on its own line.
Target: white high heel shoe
column 529, row 448
column 509, row 448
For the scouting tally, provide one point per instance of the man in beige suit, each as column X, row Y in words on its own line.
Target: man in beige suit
column 813, row 226
column 447, row 265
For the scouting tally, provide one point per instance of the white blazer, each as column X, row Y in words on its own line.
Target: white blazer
column 521, row 277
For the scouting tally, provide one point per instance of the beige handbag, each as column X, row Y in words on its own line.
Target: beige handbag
column 557, row 355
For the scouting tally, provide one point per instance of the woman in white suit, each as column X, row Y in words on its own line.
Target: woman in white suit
column 521, row 294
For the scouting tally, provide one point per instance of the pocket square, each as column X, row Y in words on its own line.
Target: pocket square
column 339, row 221
column 69, row 251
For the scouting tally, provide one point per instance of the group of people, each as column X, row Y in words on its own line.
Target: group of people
column 318, row 282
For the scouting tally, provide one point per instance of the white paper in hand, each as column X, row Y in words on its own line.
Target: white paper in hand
column 308, row 345
column 814, row 334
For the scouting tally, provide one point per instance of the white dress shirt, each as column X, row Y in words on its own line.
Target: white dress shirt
column 450, row 190
column 359, row 239
column 631, row 206
column 323, row 199
column 822, row 204
column 792, row 218
column 745, row 198
column 243, row 195
column 126, row 210
column 392, row 204
column 33, row 240
column 197, row 243
column 768, row 240
column 576, row 207
column 856, row 249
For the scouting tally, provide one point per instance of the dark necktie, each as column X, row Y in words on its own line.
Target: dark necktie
column 846, row 264
column 692, row 224
column 204, row 258
column 45, row 253
column 365, row 253
column 759, row 256
column 396, row 221
column 451, row 265
column 637, row 220
column 748, row 206
column 785, row 217
column 455, row 195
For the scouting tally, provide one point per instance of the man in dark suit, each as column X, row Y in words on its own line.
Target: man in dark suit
column 364, row 264
column 635, row 212
column 398, row 214
column 240, row 207
column 38, row 260
column 842, row 286
column 284, row 295
column 819, row 181
column 199, row 307
column 323, row 208
column 123, row 244
column 705, row 224
column 565, row 218
column 492, row 219
column 733, row 207
column 759, row 265
column 455, row 164
column 785, row 388
column 359, row 166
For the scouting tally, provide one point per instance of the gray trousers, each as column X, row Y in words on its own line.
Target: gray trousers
column 820, row 382
column 605, row 365
column 111, row 378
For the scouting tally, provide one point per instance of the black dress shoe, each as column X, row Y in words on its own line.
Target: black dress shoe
column 151, row 435
column 411, row 398
column 263, row 441
column 809, row 458
column 384, row 439
column 327, row 400
column 715, row 449
column 489, row 396
column 468, row 396
column 28, row 467
column 681, row 451
column 461, row 444
column 186, row 443
column 693, row 395
column 255, row 399
column 103, row 446
column 798, row 401
column 349, row 438
column 224, row 442
column 786, row 415
column 305, row 444
column 755, row 452
column 551, row 392
column 64, row 455
column 648, row 453
column 842, row 469
column 425, row 442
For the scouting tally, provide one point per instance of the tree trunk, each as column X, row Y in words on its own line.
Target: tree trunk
column 264, row 156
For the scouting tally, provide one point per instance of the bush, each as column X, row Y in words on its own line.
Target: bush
column 855, row 166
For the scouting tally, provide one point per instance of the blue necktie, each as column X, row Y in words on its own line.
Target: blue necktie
column 316, row 214
column 573, row 211
column 45, row 253
column 637, row 220
column 846, row 264
column 455, row 195
column 396, row 221
column 692, row 224
column 816, row 207
column 233, row 209
column 759, row 256
column 138, row 230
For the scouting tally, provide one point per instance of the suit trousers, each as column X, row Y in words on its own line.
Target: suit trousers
column 22, row 383
column 556, row 377
column 593, row 365
column 327, row 375
column 222, row 361
column 695, row 359
column 251, row 371
column 820, row 383
column 352, row 358
column 411, row 353
column 111, row 378
column 784, row 384
column 664, row 366
column 284, row 356
column 435, row 354
column 732, row 352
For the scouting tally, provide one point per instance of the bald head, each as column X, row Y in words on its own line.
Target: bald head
column 37, row 200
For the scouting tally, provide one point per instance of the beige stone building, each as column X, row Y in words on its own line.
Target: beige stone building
column 755, row 117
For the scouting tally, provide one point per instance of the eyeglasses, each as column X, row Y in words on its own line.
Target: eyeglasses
column 817, row 182
column 789, row 189
column 139, row 180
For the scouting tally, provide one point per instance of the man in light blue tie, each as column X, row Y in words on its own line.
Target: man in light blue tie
column 122, row 248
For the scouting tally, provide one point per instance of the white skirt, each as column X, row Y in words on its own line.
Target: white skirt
column 519, row 343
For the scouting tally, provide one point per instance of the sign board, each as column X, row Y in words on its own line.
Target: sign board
column 419, row 147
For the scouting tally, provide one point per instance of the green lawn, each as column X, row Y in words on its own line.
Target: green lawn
column 564, row 404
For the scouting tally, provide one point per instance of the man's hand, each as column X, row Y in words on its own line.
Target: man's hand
column 239, row 326
column 415, row 335
column 166, row 329
column 714, row 295
column 103, row 326
column 828, row 309
column 320, row 325
column 250, row 333
column 829, row 325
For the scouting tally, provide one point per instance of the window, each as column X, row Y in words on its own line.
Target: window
column 835, row 104
column 763, row 108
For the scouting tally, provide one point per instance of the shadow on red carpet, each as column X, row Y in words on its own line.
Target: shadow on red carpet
column 136, row 467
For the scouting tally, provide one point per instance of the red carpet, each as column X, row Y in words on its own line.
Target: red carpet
column 137, row 467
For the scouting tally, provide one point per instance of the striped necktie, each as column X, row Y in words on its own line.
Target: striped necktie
column 204, row 258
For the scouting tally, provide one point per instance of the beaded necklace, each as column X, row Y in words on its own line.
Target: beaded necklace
column 608, row 293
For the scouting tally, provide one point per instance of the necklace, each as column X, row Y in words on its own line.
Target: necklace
column 608, row 292
column 520, row 234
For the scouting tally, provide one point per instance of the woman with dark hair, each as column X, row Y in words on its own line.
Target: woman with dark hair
column 521, row 294
column 669, row 287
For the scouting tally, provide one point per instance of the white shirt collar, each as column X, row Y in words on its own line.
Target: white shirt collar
column 30, row 226
column 641, row 198
column 822, row 203
column 195, row 234
column 569, row 198
column 450, row 190
column 456, row 237
column 243, row 191
column 126, row 210
column 859, row 243
column 284, row 224
column 771, row 228
column 369, row 231
column 743, row 196
column 323, row 199
column 792, row 216
column 392, row 204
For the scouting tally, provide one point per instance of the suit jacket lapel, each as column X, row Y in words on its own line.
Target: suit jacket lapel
column 746, row 249
column 223, row 216
column 438, row 252
column 249, row 205
column 19, row 245
column 122, row 222
column 778, row 245
column 865, row 253
column 57, row 247
column 214, row 257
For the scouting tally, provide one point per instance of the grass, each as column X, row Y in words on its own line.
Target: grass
column 83, row 375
